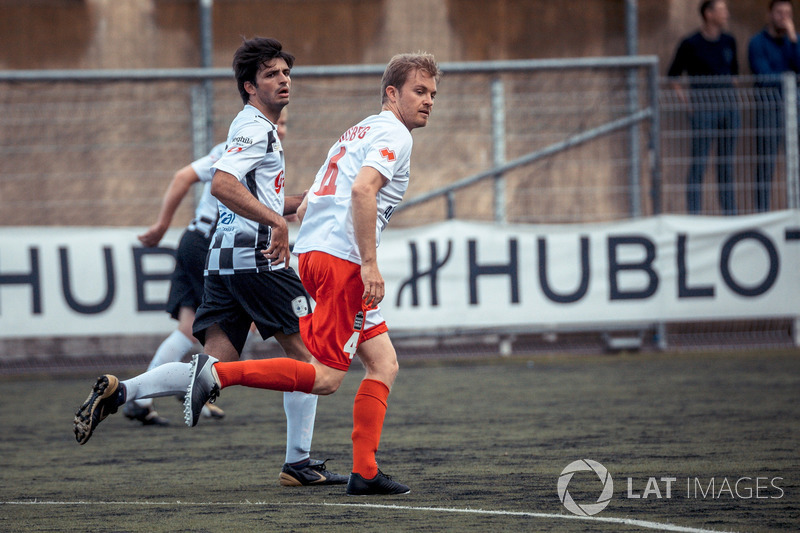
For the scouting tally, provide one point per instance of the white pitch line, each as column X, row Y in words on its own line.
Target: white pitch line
column 606, row 519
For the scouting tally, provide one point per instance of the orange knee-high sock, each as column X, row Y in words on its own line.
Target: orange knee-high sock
column 369, row 410
column 282, row 374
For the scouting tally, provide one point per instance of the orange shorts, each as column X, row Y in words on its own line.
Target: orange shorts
column 340, row 321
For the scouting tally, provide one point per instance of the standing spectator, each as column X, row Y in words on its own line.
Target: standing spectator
column 771, row 52
column 708, row 57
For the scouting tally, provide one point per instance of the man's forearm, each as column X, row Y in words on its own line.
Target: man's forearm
column 292, row 203
column 365, row 213
column 233, row 195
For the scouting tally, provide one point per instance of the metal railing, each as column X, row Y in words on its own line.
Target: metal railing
column 533, row 141
column 557, row 138
column 735, row 139
column 553, row 141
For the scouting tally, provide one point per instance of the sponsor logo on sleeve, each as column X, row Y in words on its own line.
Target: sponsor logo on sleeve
column 387, row 154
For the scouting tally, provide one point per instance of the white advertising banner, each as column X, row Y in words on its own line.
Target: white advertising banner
column 77, row 281
column 666, row 268
column 455, row 274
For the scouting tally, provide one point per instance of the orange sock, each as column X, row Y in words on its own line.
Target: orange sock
column 369, row 410
column 282, row 374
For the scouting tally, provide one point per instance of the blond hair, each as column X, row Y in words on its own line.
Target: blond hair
column 401, row 66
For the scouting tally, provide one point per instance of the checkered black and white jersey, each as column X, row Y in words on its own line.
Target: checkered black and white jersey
column 205, row 214
column 253, row 155
column 379, row 141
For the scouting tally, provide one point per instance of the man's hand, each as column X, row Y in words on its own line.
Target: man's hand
column 152, row 236
column 279, row 244
column 788, row 27
column 374, row 288
column 783, row 22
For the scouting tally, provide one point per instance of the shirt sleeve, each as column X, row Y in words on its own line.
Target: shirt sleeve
column 735, row 63
column 389, row 151
column 757, row 56
column 202, row 166
column 245, row 152
column 678, row 65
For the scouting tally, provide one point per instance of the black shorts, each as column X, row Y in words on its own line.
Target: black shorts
column 272, row 300
column 186, row 285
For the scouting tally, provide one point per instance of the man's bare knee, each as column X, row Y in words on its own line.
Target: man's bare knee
column 218, row 345
column 388, row 368
column 324, row 389
column 380, row 359
column 327, row 380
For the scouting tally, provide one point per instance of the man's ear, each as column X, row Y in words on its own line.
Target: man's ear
column 391, row 93
column 249, row 87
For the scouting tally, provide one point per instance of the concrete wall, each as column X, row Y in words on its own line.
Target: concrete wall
column 47, row 34
column 96, row 162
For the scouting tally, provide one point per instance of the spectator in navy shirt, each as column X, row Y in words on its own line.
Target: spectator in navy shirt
column 771, row 52
column 708, row 57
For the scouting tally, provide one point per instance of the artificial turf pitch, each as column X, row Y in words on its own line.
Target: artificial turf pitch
column 481, row 444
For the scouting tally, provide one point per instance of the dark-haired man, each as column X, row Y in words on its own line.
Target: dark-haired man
column 771, row 52
column 710, row 53
column 247, row 274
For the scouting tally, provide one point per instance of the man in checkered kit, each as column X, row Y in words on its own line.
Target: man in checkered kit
column 247, row 273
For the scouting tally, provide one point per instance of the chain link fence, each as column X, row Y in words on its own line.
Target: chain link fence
column 729, row 150
column 99, row 148
column 531, row 144
column 546, row 141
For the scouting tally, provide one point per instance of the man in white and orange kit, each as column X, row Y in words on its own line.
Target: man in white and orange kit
column 354, row 194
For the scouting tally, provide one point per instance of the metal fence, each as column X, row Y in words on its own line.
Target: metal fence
column 730, row 146
column 523, row 141
column 539, row 141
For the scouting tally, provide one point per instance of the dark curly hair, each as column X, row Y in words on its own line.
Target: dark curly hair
column 251, row 56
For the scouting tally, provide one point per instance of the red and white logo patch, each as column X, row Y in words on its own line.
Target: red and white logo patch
column 388, row 154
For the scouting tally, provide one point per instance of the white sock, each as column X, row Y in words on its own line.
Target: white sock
column 166, row 380
column 301, row 410
column 171, row 350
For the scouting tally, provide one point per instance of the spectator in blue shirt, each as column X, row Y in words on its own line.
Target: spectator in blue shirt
column 708, row 57
column 771, row 52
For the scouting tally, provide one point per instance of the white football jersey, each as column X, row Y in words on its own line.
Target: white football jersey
column 379, row 141
column 254, row 155
column 205, row 214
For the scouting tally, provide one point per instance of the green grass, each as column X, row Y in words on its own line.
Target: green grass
column 479, row 435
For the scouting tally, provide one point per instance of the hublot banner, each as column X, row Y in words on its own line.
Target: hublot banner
column 457, row 274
